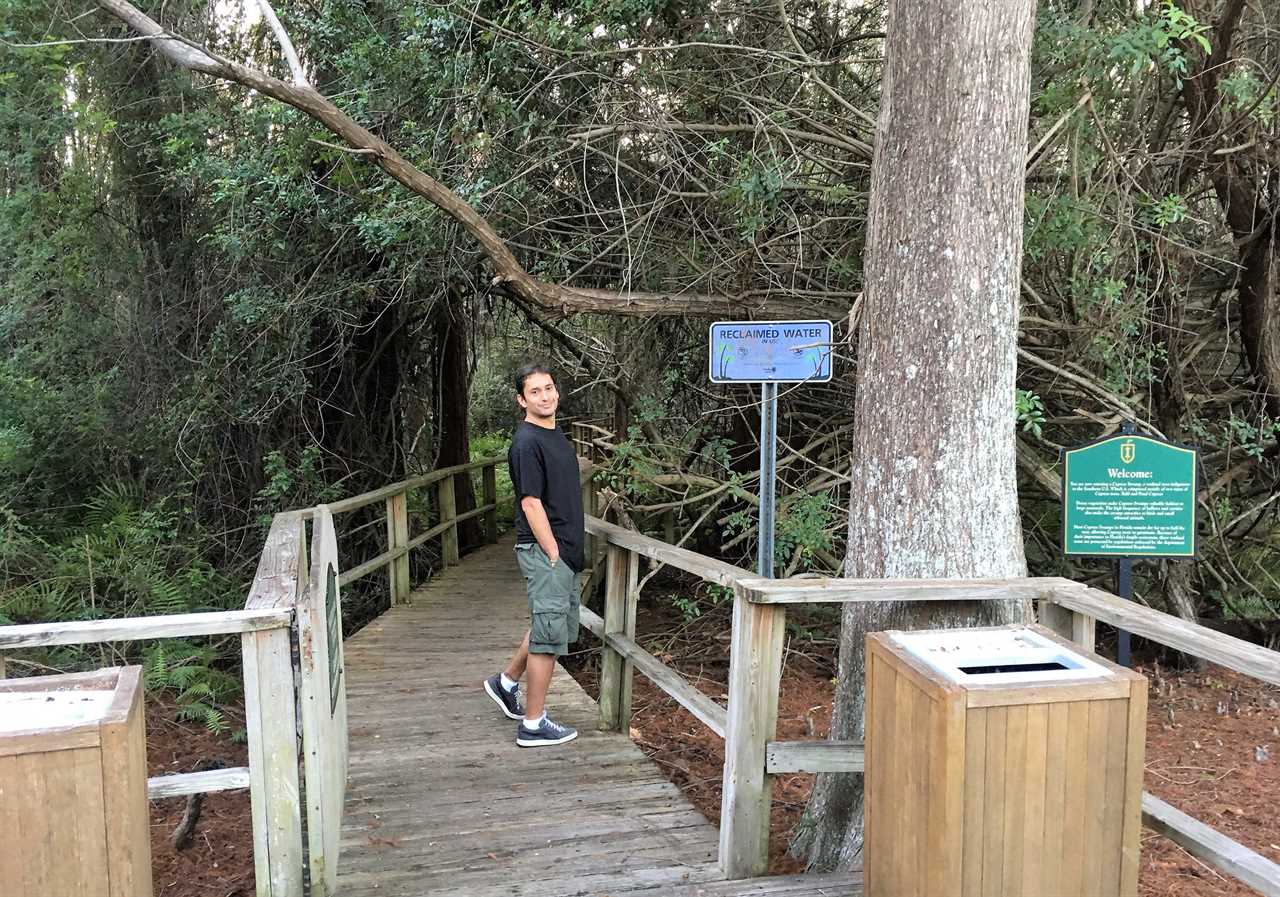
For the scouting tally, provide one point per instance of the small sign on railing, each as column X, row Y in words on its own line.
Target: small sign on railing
column 333, row 623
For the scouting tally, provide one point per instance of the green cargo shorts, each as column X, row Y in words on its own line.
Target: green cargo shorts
column 553, row 601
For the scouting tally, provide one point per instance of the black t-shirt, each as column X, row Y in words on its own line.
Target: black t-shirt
column 543, row 464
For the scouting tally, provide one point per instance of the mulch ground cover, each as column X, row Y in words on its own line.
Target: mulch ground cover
column 218, row 861
column 1213, row 751
column 1213, row 745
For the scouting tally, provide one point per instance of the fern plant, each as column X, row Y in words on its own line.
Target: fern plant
column 122, row 555
column 192, row 674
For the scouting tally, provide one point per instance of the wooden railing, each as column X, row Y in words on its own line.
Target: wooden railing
column 264, row 627
column 293, row 603
column 748, row 724
column 591, row 439
column 294, row 685
column 400, row 543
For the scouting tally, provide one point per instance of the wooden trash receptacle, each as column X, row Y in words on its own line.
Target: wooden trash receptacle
column 73, row 786
column 1000, row 761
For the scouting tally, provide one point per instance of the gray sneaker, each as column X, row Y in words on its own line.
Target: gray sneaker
column 508, row 701
column 548, row 732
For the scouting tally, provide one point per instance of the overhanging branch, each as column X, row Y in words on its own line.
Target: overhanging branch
column 508, row 272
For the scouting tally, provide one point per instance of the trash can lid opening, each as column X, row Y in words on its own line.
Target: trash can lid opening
column 1010, row 656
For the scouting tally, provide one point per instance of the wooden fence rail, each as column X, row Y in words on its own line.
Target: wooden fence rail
column 753, row 755
column 264, row 627
column 295, row 715
column 291, row 646
column 395, row 498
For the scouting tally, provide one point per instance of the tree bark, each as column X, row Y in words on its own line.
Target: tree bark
column 934, row 488
column 453, row 383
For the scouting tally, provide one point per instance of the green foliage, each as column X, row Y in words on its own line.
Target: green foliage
column 491, row 445
column 293, row 485
column 803, row 526
column 1169, row 210
column 1245, row 92
column 123, row 557
column 705, row 597
column 1159, row 38
column 755, row 193
column 1248, row 436
column 193, row 674
column 1029, row 408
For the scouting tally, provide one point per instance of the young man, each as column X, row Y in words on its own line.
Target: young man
column 550, row 540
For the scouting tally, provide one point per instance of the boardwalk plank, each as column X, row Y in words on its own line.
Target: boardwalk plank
column 440, row 801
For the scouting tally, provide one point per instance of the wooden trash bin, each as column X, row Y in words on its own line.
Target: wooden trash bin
column 1000, row 761
column 73, row 786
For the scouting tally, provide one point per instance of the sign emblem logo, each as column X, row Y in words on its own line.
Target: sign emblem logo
column 1127, row 451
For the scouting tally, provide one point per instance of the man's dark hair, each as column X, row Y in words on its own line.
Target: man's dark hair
column 535, row 368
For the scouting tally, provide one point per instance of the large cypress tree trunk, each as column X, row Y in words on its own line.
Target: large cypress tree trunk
column 933, row 479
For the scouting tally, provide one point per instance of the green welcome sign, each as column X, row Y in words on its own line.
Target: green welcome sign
column 1129, row 496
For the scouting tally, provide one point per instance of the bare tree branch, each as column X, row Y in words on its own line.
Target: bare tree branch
column 286, row 44
column 508, row 272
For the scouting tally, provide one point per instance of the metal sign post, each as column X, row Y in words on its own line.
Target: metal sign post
column 769, row 353
column 1124, row 588
column 768, row 473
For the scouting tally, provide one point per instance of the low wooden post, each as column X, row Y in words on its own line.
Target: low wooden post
column 2, row 667
column 270, row 714
column 398, row 537
column 491, row 498
column 669, row 526
column 448, row 512
column 755, row 673
column 271, row 724
column 622, row 569
column 1079, row 628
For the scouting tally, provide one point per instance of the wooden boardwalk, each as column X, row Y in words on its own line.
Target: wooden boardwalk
column 441, row 801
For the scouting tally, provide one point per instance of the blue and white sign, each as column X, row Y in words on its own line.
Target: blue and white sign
column 770, row 351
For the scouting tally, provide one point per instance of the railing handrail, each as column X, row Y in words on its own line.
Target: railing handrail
column 752, row 754
column 758, row 590
column 137, row 629
column 1173, row 632
column 756, row 649
column 708, row 568
column 343, row 505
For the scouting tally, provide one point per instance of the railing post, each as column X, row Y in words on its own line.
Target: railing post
column 755, row 672
column 491, row 498
column 2, row 667
column 669, row 526
column 448, row 511
column 398, row 537
column 622, row 571
column 271, row 724
column 595, row 547
column 1069, row 624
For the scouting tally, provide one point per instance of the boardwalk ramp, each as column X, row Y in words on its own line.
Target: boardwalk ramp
column 440, row 800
